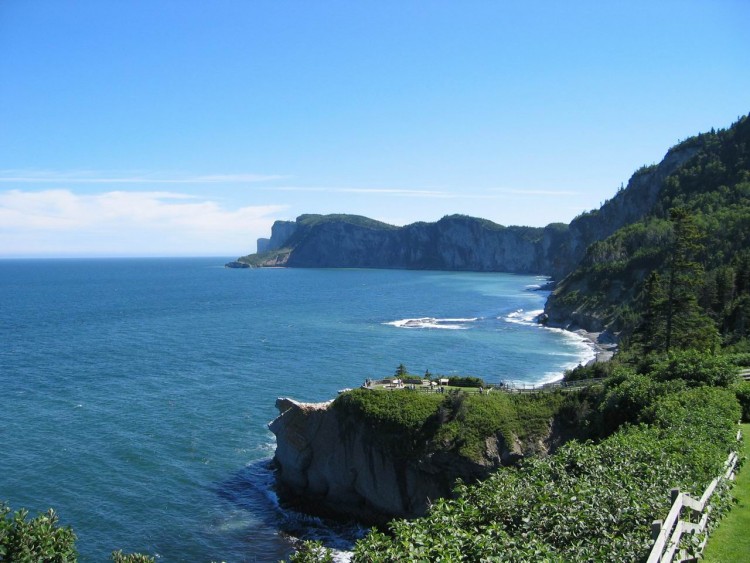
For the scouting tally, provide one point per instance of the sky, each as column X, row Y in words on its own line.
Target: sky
column 186, row 128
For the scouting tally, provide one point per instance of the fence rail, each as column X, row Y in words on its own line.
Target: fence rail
column 668, row 533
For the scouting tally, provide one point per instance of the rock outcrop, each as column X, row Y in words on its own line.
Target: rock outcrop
column 332, row 464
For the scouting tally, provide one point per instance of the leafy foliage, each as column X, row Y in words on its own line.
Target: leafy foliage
column 412, row 423
column 696, row 368
column 37, row 539
column 589, row 502
column 742, row 391
column 120, row 557
column 466, row 381
column 311, row 552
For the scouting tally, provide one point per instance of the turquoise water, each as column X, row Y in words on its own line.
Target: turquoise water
column 135, row 394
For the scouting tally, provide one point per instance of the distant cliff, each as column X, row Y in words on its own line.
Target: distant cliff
column 455, row 242
column 458, row 242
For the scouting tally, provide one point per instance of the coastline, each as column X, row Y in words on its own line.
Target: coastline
column 603, row 343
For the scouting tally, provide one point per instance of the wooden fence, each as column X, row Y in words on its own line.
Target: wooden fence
column 668, row 533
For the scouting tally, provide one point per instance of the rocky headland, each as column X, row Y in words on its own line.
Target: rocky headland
column 334, row 461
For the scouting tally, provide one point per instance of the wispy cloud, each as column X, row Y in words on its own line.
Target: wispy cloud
column 403, row 192
column 98, row 177
column 135, row 223
column 532, row 192
column 467, row 192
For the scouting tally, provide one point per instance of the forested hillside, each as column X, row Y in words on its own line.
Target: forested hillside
column 680, row 276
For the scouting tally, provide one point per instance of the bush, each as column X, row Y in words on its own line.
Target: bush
column 38, row 539
column 120, row 557
column 595, row 370
column 696, row 368
column 742, row 391
column 627, row 399
column 466, row 381
column 741, row 360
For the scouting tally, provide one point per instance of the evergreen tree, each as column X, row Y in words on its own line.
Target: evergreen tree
column 651, row 332
column 686, row 324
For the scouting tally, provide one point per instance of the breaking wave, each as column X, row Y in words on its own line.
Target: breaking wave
column 430, row 322
column 522, row 317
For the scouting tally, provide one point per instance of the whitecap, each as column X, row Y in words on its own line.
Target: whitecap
column 523, row 317
column 433, row 323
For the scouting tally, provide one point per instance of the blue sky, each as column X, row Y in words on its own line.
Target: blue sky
column 173, row 128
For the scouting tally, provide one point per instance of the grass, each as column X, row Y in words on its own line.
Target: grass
column 730, row 542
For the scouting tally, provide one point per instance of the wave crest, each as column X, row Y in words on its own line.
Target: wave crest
column 433, row 323
column 523, row 317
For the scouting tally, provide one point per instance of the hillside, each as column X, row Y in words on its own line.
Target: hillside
column 706, row 198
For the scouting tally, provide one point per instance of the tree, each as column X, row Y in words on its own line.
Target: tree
column 651, row 331
column 401, row 371
column 686, row 325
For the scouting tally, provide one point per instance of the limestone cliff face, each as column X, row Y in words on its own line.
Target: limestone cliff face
column 453, row 243
column 281, row 231
column 331, row 464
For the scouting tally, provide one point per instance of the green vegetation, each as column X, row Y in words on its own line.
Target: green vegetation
column 312, row 220
column 657, row 421
column 36, row 539
column 465, row 381
column 43, row 539
column 730, row 543
column 411, row 424
column 588, row 502
column 680, row 277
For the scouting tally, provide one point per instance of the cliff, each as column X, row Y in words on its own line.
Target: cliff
column 458, row 242
column 336, row 459
column 454, row 243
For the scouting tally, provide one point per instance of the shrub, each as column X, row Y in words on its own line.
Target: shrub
column 466, row 381
column 38, row 539
column 742, row 391
column 696, row 368
column 595, row 370
column 120, row 557
column 588, row 502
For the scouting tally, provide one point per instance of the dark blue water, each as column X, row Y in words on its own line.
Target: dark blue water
column 135, row 394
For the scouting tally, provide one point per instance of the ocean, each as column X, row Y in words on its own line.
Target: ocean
column 135, row 393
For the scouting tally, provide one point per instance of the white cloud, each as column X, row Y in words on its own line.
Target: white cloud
column 127, row 223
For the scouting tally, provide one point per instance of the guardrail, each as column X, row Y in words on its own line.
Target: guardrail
column 668, row 533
